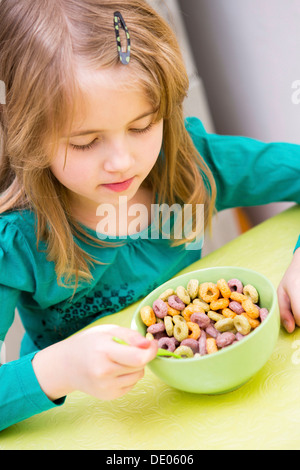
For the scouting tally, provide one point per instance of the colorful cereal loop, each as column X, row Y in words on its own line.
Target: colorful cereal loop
column 250, row 292
column 224, row 288
column 194, row 328
column 193, row 288
column 208, row 291
column 211, row 345
column 219, row 304
column 147, row 315
column 251, row 309
column 184, row 351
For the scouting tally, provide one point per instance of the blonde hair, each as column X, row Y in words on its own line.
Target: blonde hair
column 40, row 42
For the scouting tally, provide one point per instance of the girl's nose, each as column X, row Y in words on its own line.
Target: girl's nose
column 118, row 158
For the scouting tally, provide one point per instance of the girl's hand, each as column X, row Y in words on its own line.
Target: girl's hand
column 289, row 295
column 92, row 362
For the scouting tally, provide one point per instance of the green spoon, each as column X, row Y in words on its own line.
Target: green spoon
column 161, row 352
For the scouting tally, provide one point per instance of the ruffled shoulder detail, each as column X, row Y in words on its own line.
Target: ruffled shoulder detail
column 16, row 259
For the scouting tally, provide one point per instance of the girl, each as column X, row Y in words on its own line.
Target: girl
column 89, row 119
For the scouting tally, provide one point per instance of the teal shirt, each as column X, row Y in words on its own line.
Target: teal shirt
column 247, row 172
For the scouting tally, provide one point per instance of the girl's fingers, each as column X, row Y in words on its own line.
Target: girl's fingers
column 295, row 307
column 285, row 308
column 129, row 380
column 132, row 356
column 134, row 338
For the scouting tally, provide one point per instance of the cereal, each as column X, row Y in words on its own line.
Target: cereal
column 235, row 285
column 238, row 296
column 184, row 351
column 201, row 319
column 239, row 336
column 211, row 345
column 254, row 322
column 201, row 304
column 242, row 324
column 189, row 310
column 159, row 334
column 175, row 302
column 193, row 288
column 149, row 336
column 182, row 293
column 223, row 288
column 172, row 311
column 181, row 331
column 191, row 343
column 169, row 325
column 157, row 328
column 219, row 304
column 224, row 325
column 236, row 307
column 263, row 313
column 208, row 291
column 225, row 339
column 214, row 315
column 178, row 319
column 160, row 308
column 251, row 292
column 147, row 315
column 195, row 330
column 202, row 343
column 166, row 343
column 228, row 313
column 211, row 331
column 167, row 293
column 251, row 309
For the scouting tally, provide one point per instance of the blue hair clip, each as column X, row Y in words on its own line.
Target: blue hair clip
column 119, row 22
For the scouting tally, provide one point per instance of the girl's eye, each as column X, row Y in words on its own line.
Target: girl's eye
column 84, row 147
column 144, row 130
column 91, row 145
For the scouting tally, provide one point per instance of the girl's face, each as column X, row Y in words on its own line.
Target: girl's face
column 114, row 144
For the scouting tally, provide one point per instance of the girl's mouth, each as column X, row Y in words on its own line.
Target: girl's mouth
column 119, row 187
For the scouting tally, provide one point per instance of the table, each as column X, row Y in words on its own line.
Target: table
column 262, row 414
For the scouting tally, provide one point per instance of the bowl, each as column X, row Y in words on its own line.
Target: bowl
column 230, row 367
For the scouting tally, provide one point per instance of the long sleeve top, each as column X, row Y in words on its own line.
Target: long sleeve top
column 247, row 173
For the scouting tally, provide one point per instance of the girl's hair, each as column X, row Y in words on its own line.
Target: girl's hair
column 40, row 43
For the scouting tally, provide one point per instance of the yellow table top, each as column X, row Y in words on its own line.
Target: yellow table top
column 262, row 414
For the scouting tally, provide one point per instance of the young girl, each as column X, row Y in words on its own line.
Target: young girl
column 89, row 119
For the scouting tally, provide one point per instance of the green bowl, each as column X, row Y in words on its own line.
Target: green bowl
column 230, row 367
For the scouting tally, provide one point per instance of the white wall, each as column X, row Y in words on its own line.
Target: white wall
column 247, row 54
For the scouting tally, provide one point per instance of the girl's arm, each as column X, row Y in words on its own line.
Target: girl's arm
column 20, row 393
column 248, row 172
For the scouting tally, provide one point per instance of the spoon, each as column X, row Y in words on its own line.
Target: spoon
column 160, row 353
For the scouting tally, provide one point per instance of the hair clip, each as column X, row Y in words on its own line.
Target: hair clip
column 119, row 21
